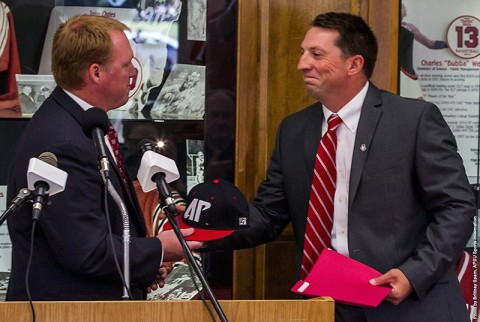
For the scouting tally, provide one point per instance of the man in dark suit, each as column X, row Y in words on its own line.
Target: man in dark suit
column 73, row 256
column 403, row 204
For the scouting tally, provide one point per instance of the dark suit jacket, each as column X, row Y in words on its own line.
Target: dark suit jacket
column 72, row 254
column 410, row 204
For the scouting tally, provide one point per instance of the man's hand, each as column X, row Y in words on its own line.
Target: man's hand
column 401, row 287
column 172, row 248
column 159, row 279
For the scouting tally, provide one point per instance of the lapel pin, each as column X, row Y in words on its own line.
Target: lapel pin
column 363, row 148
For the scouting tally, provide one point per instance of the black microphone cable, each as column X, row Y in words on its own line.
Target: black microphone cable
column 27, row 273
column 39, row 197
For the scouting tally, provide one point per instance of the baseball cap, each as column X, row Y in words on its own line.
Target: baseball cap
column 215, row 209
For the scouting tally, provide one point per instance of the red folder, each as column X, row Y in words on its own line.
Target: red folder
column 343, row 279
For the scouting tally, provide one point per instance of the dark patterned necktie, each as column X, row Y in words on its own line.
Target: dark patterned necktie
column 113, row 139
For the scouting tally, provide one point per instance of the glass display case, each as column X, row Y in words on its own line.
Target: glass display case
column 183, row 97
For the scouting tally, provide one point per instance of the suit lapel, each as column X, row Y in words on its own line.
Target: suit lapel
column 69, row 105
column 367, row 124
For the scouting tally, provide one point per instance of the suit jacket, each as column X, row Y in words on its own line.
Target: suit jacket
column 72, row 253
column 410, row 204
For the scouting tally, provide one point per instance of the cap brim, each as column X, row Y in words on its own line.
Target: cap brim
column 199, row 234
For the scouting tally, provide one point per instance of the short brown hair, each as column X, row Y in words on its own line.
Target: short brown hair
column 78, row 43
column 356, row 37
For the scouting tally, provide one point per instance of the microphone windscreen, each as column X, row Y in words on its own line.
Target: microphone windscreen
column 153, row 163
column 45, row 169
column 49, row 158
column 93, row 118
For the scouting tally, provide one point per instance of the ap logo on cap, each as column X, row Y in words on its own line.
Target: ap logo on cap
column 194, row 210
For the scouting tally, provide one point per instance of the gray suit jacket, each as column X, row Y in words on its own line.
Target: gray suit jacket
column 410, row 204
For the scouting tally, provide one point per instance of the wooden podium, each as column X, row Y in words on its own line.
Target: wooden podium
column 320, row 309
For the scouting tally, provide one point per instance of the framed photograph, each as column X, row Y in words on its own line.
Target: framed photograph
column 195, row 163
column 32, row 91
column 183, row 95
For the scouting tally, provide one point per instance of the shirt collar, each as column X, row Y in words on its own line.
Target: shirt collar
column 78, row 100
column 350, row 112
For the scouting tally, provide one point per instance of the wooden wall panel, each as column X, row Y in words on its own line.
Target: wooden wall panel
column 383, row 17
column 249, row 150
column 288, row 21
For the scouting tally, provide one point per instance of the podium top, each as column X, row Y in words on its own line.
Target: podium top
column 313, row 310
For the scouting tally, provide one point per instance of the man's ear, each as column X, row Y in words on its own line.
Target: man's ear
column 355, row 64
column 94, row 72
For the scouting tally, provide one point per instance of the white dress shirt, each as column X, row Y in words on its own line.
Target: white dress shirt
column 346, row 132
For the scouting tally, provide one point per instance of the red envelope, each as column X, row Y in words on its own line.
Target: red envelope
column 343, row 279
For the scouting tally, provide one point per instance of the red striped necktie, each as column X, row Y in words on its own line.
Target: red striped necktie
column 320, row 208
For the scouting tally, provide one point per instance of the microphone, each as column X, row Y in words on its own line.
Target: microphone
column 44, row 179
column 95, row 124
column 156, row 171
column 23, row 195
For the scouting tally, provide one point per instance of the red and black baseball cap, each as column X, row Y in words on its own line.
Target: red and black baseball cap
column 215, row 209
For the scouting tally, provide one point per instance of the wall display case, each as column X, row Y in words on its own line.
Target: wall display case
column 184, row 95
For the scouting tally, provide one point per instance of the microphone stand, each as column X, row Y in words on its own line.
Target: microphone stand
column 170, row 213
column 126, row 237
column 23, row 195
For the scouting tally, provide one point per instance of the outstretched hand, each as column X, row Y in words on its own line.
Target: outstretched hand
column 172, row 248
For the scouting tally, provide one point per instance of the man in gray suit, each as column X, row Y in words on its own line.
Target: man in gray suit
column 403, row 204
